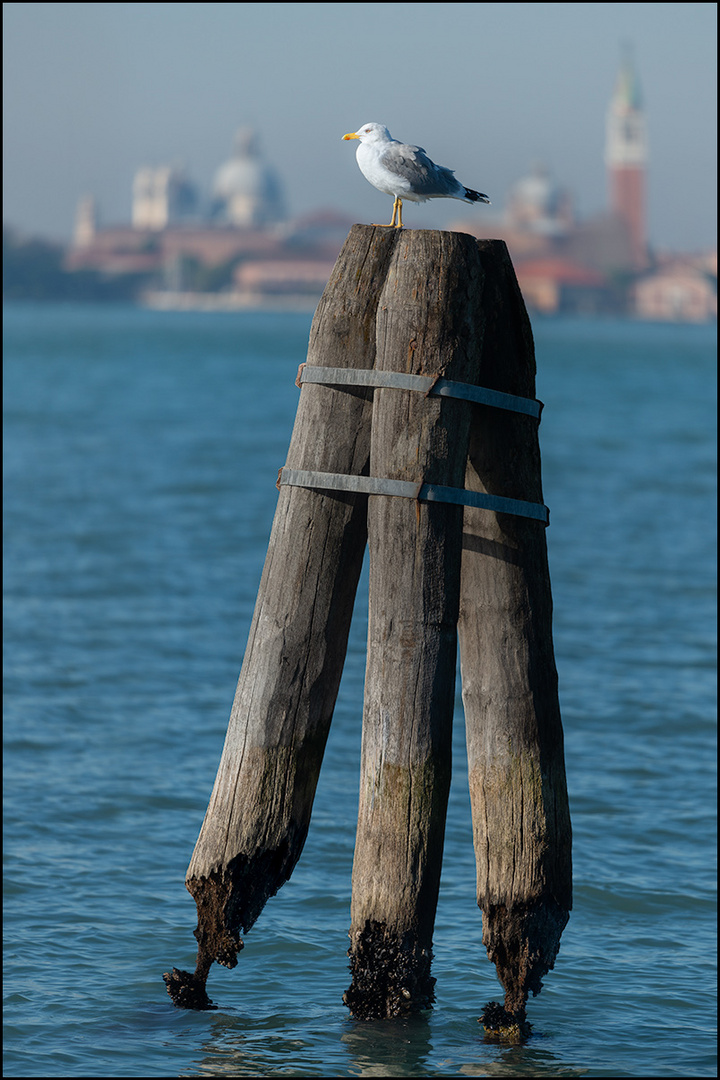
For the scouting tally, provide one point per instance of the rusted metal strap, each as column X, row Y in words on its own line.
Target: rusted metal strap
column 432, row 386
column 406, row 489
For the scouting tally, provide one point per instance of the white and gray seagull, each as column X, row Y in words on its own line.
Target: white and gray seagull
column 405, row 172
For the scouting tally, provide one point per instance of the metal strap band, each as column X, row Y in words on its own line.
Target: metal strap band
column 371, row 485
column 423, row 384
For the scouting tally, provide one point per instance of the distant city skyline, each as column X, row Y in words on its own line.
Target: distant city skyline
column 94, row 92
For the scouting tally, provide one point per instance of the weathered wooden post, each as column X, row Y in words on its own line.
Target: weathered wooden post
column 259, row 811
column 435, row 322
column 427, row 324
column 518, row 791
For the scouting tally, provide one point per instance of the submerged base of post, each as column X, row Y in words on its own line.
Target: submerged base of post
column 217, row 942
column 187, row 990
column 500, row 1026
column 390, row 974
column 522, row 940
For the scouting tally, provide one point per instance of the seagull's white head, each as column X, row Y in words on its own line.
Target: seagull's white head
column 370, row 133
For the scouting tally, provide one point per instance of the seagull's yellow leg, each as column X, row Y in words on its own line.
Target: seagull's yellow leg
column 397, row 212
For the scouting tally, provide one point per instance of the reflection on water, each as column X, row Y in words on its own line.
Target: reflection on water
column 237, row 1047
column 385, row 1048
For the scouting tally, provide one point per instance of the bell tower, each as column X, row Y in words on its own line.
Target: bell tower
column 626, row 158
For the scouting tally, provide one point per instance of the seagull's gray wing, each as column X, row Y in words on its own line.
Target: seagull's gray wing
column 413, row 165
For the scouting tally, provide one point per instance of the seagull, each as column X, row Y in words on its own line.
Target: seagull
column 405, row 172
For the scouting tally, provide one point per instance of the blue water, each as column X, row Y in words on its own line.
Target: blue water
column 141, row 454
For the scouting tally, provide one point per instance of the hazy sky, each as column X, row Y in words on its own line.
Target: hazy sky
column 93, row 91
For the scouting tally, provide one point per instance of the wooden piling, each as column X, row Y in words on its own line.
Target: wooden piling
column 521, row 820
column 427, row 324
column 415, row 303
column 259, row 811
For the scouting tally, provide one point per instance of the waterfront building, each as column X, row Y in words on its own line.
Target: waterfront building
column 163, row 196
column 682, row 290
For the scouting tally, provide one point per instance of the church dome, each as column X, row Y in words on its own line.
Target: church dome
column 245, row 190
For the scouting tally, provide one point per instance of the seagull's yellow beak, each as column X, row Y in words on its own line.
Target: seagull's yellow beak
column 352, row 135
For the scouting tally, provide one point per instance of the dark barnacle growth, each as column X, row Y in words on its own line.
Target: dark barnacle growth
column 390, row 974
column 217, row 938
column 187, row 990
column 504, row 1027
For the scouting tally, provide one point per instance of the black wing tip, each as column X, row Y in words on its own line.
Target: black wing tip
column 476, row 196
